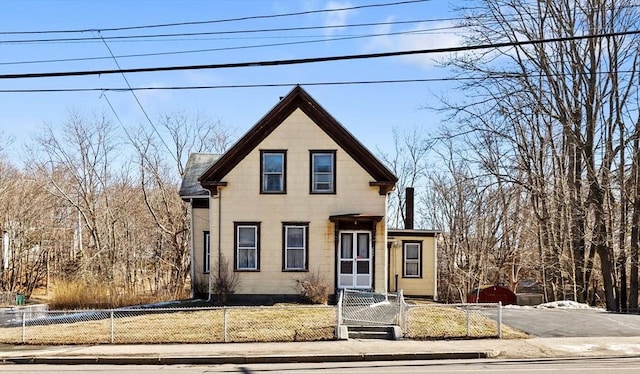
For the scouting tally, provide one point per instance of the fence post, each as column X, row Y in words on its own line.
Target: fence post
column 401, row 305
column 224, row 323
column 24, row 327
column 499, row 319
column 468, row 318
column 339, row 306
column 111, row 326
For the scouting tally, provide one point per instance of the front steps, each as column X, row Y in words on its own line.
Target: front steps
column 374, row 332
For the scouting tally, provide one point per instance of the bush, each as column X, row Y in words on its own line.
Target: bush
column 314, row 287
column 224, row 282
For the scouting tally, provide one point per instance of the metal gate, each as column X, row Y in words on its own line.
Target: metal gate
column 365, row 308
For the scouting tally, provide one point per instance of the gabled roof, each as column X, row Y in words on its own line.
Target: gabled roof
column 299, row 98
column 196, row 165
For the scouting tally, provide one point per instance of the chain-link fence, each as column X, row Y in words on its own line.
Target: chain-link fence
column 368, row 308
column 439, row 321
column 179, row 325
column 29, row 325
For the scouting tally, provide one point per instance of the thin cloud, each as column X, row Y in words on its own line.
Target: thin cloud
column 338, row 18
column 440, row 37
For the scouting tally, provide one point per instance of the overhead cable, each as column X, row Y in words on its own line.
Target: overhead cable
column 316, row 59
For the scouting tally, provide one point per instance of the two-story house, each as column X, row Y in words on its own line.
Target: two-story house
column 297, row 193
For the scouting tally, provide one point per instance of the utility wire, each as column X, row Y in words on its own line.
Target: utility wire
column 379, row 5
column 153, row 126
column 229, row 32
column 505, row 75
column 317, row 59
column 251, row 46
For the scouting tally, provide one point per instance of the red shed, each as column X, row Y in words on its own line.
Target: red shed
column 492, row 294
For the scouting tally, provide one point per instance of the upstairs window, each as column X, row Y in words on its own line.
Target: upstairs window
column 412, row 265
column 323, row 172
column 272, row 170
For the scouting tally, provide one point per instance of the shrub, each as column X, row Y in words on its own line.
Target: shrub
column 314, row 287
column 225, row 282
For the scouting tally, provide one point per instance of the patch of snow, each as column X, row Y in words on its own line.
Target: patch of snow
column 563, row 304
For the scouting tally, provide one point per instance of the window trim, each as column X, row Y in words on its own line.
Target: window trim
column 333, row 189
column 284, row 171
column 236, row 227
column 405, row 261
column 285, row 226
column 206, row 265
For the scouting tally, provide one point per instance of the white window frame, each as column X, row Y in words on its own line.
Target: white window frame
column 304, row 247
column 282, row 173
column 315, row 174
column 255, row 247
column 406, row 260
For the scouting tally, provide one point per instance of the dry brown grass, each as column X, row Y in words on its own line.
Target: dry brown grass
column 73, row 295
column 446, row 322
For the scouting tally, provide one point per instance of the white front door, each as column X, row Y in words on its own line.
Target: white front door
column 355, row 266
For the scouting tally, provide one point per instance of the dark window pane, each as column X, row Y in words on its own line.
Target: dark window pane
column 273, row 163
column 246, row 236
column 295, row 237
column 273, row 182
column 412, row 251
column 295, row 259
column 322, row 163
column 346, row 267
column 363, row 267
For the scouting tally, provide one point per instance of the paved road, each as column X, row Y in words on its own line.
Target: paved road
column 551, row 323
column 582, row 365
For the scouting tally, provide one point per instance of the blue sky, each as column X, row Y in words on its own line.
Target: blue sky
column 370, row 112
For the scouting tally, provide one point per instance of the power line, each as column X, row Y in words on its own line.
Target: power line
column 219, row 20
column 316, row 59
column 267, row 85
column 251, row 46
column 229, row 32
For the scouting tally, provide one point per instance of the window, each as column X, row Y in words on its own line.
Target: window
column 411, row 254
column 247, row 244
column 272, row 170
column 296, row 244
column 207, row 252
column 323, row 172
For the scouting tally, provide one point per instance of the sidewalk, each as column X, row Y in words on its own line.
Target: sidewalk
column 328, row 351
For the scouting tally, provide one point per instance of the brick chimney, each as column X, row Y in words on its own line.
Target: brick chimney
column 408, row 218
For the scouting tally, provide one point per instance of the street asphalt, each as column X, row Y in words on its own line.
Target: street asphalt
column 324, row 351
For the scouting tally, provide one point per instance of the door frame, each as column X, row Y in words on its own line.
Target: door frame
column 354, row 258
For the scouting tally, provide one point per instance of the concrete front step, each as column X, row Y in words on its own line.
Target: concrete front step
column 375, row 332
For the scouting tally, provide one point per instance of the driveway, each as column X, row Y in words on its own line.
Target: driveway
column 571, row 322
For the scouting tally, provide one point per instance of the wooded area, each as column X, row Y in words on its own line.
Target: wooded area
column 535, row 182
column 94, row 208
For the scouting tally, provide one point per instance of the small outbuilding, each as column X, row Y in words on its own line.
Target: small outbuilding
column 492, row 294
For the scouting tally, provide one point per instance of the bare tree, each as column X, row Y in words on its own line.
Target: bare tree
column 560, row 114
column 408, row 161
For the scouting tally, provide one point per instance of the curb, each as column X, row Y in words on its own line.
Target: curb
column 219, row 360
